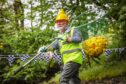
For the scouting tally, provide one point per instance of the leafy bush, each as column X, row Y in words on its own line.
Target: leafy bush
column 27, row 42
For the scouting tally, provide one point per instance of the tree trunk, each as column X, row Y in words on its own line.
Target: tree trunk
column 19, row 14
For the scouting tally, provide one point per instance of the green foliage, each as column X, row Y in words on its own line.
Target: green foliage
column 28, row 42
column 30, row 73
column 35, row 72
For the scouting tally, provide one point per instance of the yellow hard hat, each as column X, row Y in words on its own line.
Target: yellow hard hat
column 61, row 15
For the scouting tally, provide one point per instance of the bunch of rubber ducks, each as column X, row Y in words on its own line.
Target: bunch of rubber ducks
column 95, row 46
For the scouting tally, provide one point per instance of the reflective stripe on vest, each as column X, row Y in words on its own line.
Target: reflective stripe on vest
column 71, row 51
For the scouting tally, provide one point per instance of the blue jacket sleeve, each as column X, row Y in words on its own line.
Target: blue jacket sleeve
column 76, row 36
column 55, row 45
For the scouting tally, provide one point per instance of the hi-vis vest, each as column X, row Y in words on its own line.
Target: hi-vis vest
column 70, row 51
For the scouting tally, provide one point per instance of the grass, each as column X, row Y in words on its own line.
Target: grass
column 104, row 71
